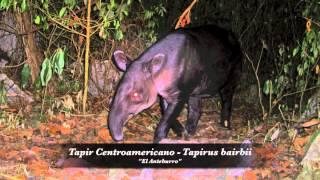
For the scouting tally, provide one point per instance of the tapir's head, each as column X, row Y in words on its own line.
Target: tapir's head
column 136, row 90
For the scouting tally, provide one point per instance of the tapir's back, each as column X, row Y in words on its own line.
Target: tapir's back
column 208, row 54
column 198, row 58
column 212, row 39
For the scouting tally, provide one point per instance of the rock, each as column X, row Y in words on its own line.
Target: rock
column 313, row 153
column 103, row 78
column 3, row 62
column 10, row 48
column 313, row 107
column 311, row 160
column 14, row 94
column 248, row 95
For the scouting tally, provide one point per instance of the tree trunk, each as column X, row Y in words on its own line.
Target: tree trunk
column 32, row 53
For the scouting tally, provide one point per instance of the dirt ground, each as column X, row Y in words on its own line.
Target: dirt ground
column 28, row 153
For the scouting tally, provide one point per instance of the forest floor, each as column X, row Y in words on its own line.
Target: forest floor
column 28, row 153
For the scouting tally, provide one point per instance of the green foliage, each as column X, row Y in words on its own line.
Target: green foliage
column 46, row 72
column 11, row 120
column 58, row 61
column 3, row 93
column 37, row 20
column 38, row 84
column 69, row 86
column 25, row 76
column 109, row 16
column 296, row 69
column 112, row 14
column 53, row 64
column 7, row 4
column 62, row 12
column 70, row 3
column 151, row 16
column 24, row 5
column 267, row 88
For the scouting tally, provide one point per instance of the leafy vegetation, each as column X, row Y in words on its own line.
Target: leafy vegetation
column 297, row 68
column 3, row 94
column 14, row 4
column 53, row 64
column 151, row 15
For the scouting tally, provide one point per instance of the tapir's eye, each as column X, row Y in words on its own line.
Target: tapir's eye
column 136, row 96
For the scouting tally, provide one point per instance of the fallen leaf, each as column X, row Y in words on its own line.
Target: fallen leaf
column 43, row 128
column 36, row 149
column 5, row 107
column 27, row 108
column 65, row 129
column 264, row 173
column 259, row 128
column 102, row 118
column 13, row 155
column 26, row 133
column 308, row 25
column 298, row 144
column 9, row 110
column 37, row 139
column 249, row 174
column 275, row 135
column 116, row 173
column 28, row 155
column 72, row 122
column 60, row 117
column 126, row 177
column 104, row 135
column 72, row 162
column 266, row 152
column 53, row 129
column 38, row 167
column 285, row 164
column 101, row 177
column 3, row 154
column 310, row 123
column 68, row 102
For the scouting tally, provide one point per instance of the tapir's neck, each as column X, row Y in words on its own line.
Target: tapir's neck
column 169, row 46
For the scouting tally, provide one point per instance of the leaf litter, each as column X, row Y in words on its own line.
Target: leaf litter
column 32, row 150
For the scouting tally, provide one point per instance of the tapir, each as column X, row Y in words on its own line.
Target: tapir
column 181, row 68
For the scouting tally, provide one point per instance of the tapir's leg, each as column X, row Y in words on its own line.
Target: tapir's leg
column 226, row 94
column 176, row 125
column 194, row 108
column 170, row 115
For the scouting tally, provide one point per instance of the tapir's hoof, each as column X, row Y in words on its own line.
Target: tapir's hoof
column 191, row 132
column 180, row 134
column 157, row 140
column 226, row 124
column 226, row 128
column 178, row 131
column 188, row 135
column 118, row 138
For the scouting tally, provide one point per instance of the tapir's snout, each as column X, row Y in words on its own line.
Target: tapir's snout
column 117, row 136
column 115, row 124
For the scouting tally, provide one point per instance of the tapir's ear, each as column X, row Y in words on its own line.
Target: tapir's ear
column 121, row 60
column 156, row 64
